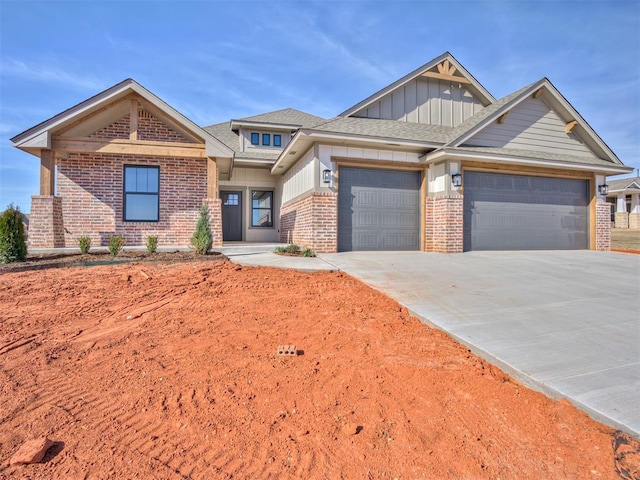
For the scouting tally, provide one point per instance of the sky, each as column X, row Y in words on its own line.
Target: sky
column 218, row 60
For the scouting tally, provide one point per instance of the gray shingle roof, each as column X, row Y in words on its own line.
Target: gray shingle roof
column 223, row 132
column 373, row 127
column 622, row 183
column 533, row 154
column 287, row 116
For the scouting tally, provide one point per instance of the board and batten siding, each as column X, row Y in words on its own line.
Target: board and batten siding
column 531, row 125
column 327, row 152
column 300, row 178
column 425, row 100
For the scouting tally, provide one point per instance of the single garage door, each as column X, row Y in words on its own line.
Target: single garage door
column 520, row 212
column 378, row 209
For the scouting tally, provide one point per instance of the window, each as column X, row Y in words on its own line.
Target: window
column 261, row 208
column 266, row 139
column 277, row 140
column 230, row 199
column 255, row 138
column 141, row 194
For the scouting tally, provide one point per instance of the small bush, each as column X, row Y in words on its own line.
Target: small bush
column 280, row 250
column 152, row 243
column 13, row 246
column 84, row 243
column 307, row 252
column 293, row 248
column 201, row 240
column 116, row 243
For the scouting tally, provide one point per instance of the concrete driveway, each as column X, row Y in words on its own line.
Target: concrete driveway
column 564, row 323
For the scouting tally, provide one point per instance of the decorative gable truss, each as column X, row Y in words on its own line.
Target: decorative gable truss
column 440, row 92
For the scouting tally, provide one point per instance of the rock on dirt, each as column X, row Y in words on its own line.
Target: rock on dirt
column 32, row 451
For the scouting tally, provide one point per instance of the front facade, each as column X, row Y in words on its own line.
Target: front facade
column 432, row 162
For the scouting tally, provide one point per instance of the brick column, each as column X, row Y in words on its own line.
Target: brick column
column 603, row 226
column 46, row 228
column 215, row 219
column 443, row 224
column 325, row 222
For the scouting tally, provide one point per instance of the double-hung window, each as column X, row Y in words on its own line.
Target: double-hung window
column 261, row 208
column 141, row 193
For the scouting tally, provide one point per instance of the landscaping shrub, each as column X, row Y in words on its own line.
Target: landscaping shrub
column 201, row 239
column 116, row 243
column 84, row 243
column 152, row 243
column 13, row 246
column 307, row 252
column 293, row 248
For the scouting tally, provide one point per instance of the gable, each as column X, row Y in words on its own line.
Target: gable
column 531, row 125
column 149, row 128
column 425, row 100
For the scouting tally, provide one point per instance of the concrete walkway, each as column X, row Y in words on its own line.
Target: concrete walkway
column 564, row 323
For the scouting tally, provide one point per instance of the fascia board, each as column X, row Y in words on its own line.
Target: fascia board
column 235, row 124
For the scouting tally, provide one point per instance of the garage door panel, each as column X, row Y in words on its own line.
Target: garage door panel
column 517, row 212
column 378, row 209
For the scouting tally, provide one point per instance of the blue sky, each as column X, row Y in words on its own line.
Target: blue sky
column 219, row 60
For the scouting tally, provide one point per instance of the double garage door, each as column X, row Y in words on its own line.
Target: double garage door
column 380, row 210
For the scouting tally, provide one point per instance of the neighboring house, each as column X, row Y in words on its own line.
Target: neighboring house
column 624, row 197
column 431, row 162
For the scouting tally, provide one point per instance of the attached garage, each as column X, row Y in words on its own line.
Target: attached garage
column 521, row 212
column 378, row 209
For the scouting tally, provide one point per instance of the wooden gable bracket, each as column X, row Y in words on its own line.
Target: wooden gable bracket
column 446, row 72
column 570, row 125
column 503, row 117
column 538, row 92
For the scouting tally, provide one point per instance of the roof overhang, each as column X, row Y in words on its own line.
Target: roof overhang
column 306, row 138
column 40, row 136
column 237, row 124
column 453, row 154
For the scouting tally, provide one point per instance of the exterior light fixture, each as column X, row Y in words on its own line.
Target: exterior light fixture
column 603, row 189
column 456, row 180
column 326, row 176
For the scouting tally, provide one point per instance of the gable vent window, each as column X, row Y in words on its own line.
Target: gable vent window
column 141, row 193
column 277, row 140
column 255, row 138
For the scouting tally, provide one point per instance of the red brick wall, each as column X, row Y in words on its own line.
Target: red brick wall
column 215, row 220
column 149, row 128
column 311, row 222
column 46, row 226
column 603, row 226
column 91, row 187
column 443, row 224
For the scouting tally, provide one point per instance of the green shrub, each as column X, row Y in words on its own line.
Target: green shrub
column 84, row 243
column 13, row 245
column 280, row 250
column 307, row 252
column 201, row 239
column 293, row 248
column 116, row 243
column 152, row 243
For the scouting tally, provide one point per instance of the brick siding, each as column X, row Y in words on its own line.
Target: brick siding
column 634, row 221
column 215, row 220
column 443, row 224
column 46, row 226
column 149, row 128
column 311, row 222
column 91, row 187
column 603, row 226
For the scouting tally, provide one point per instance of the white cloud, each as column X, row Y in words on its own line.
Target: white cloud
column 49, row 73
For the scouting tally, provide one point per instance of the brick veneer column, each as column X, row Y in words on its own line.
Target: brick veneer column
column 443, row 224
column 312, row 222
column 603, row 226
column 621, row 220
column 215, row 219
column 634, row 221
column 46, row 228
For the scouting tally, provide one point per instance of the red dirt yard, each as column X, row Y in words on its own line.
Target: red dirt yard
column 170, row 371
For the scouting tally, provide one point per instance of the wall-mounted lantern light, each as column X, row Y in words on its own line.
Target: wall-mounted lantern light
column 603, row 189
column 326, row 176
column 456, row 180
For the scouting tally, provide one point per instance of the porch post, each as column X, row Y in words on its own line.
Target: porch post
column 622, row 217
column 212, row 178
column 47, row 172
column 213, row 202
column 46, row 225
column 634, row 214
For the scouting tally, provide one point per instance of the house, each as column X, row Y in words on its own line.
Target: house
column 624, row 198
column 431, row 162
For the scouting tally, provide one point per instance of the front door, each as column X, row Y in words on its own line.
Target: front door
column 231, row 216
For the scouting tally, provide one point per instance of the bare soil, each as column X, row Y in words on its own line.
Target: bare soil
column 169, row 371
column 625, row 240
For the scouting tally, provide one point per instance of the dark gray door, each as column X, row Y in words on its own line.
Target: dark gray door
column 231, row 216
column 378, row 209
column 521, row 212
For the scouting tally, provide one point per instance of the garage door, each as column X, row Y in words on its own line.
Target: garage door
column 519, row 212
column 378, row 209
